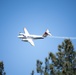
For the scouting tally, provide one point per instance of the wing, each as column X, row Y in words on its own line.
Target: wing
column 25, row 31
column 31, row 42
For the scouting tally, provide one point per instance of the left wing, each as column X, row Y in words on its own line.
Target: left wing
column 31, row 42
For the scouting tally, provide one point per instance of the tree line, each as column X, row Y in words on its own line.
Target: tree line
column 61, row 63
column 2, row 68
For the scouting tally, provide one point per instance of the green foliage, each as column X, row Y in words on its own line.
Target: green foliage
column 2, row 68
column 32, row 73
column 63, row 63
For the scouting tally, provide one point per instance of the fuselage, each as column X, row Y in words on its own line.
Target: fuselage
column 30, row 37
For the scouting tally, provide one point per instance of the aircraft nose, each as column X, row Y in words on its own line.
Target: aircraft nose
column 18, row 36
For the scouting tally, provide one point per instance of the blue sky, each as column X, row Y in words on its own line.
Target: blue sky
column 59, row 16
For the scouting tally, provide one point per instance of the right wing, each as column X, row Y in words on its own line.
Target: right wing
column 26, row 32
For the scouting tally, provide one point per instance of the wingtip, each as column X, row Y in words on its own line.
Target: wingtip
column 33, row 45
column 24, row 28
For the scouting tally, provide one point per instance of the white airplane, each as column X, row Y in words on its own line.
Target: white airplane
column 26, row 37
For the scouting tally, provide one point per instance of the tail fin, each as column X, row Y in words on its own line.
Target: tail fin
column 47, row 33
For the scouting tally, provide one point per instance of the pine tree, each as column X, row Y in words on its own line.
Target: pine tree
column 63, row 63
column 32, row 73
column 2, row 68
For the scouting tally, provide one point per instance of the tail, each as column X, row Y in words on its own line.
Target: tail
column 47, row 33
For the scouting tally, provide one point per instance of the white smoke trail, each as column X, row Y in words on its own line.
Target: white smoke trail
column 62, row 37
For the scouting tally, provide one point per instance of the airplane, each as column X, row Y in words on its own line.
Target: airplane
column 26, row 37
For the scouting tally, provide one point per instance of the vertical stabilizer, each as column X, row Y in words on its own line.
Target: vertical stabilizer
column 47, row 33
